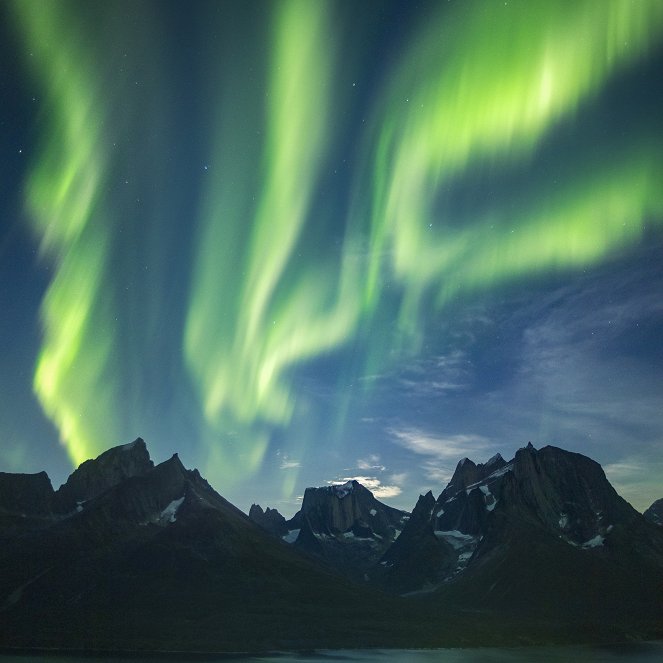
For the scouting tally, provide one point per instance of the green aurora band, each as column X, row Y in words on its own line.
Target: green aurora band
column 63, row 198
column 487, row 94
column 482, row 87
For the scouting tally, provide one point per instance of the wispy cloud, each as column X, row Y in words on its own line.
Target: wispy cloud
column 435, row 375
column 446, row 447
column 287, row 463
column 438, row 473
column 371, row 462
column 399, row 478
column 441, row 453
column 637, row 479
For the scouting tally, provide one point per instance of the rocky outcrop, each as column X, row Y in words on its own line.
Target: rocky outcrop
column 654, row 514
column 95, row 476
column 344, row 508
column 344, row 525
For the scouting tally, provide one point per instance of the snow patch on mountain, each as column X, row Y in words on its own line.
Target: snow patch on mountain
column 342, row 490
column 594, row 542
column 168, row 515
column 500, row 472
column 457, row 539
column 291, row 536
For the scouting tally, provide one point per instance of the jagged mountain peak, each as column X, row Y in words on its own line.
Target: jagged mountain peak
column 335, row 508
column 469, row 474
column 424, row 506
column 110, row 468
column 269, row 519
column 544, row 523
column 552, row 492
column 494, row 460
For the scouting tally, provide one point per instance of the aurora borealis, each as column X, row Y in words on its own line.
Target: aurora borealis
column 298, row 241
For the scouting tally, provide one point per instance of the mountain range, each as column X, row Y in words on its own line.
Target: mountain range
column 129, row 555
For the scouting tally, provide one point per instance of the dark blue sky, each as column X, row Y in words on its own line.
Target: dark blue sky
column 299, row 242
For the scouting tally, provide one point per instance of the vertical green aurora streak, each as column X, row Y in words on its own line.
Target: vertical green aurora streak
column 73, row 378
column 239, row 346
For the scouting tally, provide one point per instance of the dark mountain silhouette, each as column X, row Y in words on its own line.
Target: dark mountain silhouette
column 270, row 520
column 132, row 555
column 153, row 558
column 542, row 535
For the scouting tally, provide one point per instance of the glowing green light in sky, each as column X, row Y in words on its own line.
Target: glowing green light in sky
column 62, row 196
column 485, row 86
column 482, row 88
column 239, row 345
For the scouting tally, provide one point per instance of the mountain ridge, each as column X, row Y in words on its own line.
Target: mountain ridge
column 542, row 546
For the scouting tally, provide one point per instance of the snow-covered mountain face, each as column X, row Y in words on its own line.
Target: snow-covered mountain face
column 563, row 493
column 568, row 493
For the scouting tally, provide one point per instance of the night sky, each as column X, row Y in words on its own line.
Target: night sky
column 304, row 241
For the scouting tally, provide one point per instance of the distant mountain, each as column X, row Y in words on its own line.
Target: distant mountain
column 343, row 525
column 270, row 520
column 544, row 534
column 654, row 513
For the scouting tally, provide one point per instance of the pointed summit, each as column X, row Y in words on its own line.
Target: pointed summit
column 466, row 473
column 495, row 460
column 270, row 520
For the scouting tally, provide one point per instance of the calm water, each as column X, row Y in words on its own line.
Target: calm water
column 640, row 653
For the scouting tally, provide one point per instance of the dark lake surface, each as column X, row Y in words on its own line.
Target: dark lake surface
column 636, row 653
